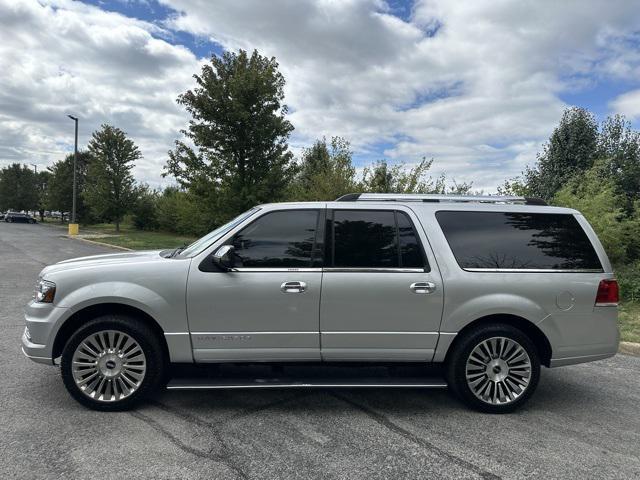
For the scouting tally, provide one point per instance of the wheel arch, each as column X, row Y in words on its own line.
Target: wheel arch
column 527, row 327
column 93, row 311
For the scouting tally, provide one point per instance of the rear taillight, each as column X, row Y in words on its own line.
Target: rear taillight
column 607, row 295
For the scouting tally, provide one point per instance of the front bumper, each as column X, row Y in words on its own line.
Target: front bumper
column 42, row 324
column 35, row 351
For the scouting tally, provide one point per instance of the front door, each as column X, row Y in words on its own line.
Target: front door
column 268, row 308
column 380, row 299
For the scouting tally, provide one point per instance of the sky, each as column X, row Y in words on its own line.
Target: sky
column 476, row 85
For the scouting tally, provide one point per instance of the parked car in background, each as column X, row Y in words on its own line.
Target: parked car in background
column 15, row 217
column 2, row 214
column 487, row 288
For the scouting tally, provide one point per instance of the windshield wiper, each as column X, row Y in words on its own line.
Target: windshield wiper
column 178, row 250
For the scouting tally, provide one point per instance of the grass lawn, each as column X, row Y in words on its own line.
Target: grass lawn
column 629, row 322
column 128, row 236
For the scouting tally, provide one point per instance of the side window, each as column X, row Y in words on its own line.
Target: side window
column 365, row 238
column 283, row 239
column 374, row 239
column 521, row 241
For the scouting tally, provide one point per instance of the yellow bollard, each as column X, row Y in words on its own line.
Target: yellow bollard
column 73, row 228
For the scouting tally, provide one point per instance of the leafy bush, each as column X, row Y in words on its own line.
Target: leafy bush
column 145, row 213
column 628, row 276
column 181, row 212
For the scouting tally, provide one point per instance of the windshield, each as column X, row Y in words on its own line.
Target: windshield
column 202, row 243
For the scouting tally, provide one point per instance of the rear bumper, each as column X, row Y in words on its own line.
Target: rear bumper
column 561, row 362
column 582, row 338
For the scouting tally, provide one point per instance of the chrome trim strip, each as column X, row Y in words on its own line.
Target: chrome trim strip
column 403, row 197
column 534, row 270
column 176, row 333
column 291, row 270
column 314, row 332
column 448, row 333
column 374, row 270
column 379, row 333
column 308, row 385
column 608, row 304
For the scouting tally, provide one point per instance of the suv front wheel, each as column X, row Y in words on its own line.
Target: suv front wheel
column 494, row 368
column 112, row 362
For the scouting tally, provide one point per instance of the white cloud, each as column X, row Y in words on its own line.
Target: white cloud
column 477, row 85
column 480, row 95
column 60, row 57
column 628, row 104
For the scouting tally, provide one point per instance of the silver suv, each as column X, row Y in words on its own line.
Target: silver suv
column 483, row 289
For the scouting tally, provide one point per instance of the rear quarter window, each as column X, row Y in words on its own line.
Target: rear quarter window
column 518, row 241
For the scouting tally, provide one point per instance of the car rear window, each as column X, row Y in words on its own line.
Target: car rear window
column 518, row 241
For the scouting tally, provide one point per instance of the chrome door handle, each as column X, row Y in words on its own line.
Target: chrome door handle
column 422, row 287
column 293, row 287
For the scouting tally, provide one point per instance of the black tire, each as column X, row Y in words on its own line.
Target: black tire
column 456, row 368
column 149, row 343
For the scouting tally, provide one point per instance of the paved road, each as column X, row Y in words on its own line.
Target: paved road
column 583, row 422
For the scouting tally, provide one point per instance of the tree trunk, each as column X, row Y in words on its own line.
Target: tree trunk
column 117, row 226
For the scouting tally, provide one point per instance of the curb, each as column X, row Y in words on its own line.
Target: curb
column 630, row 348
column 102, row 244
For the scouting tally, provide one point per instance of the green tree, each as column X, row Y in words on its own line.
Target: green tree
column 595, row 195
column 620, row 144
column 571, row 149
column 382, row 178
column 18, row 188
column 325, row 172
column 110, row 193
column 239, row 131
column 514, row 186
column 59, row 193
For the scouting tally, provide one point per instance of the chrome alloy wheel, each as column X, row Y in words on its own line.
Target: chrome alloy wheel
column 498, row 370
column 109, row 366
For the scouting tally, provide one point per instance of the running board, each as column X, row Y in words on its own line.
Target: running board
column 240, row 383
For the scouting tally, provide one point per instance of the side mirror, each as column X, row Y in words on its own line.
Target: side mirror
column 223, row 257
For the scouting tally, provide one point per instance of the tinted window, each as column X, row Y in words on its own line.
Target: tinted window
column 369, row 239
column 278, row 239
column 365, row 239
column 518, row 240
column 410, row 252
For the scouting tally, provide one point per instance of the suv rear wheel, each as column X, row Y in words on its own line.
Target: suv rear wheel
column 494, row 368
column 112, row 362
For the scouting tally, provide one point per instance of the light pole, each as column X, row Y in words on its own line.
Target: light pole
column 73, row 226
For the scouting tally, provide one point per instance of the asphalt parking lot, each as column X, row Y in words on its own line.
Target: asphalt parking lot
column 583, row 422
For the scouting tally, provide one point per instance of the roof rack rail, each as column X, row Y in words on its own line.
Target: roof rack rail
column 420, row 197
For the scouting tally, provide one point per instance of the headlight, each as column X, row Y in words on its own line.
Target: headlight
column 45, row 291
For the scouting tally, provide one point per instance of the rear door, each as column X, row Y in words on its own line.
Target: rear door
column 381, row 297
